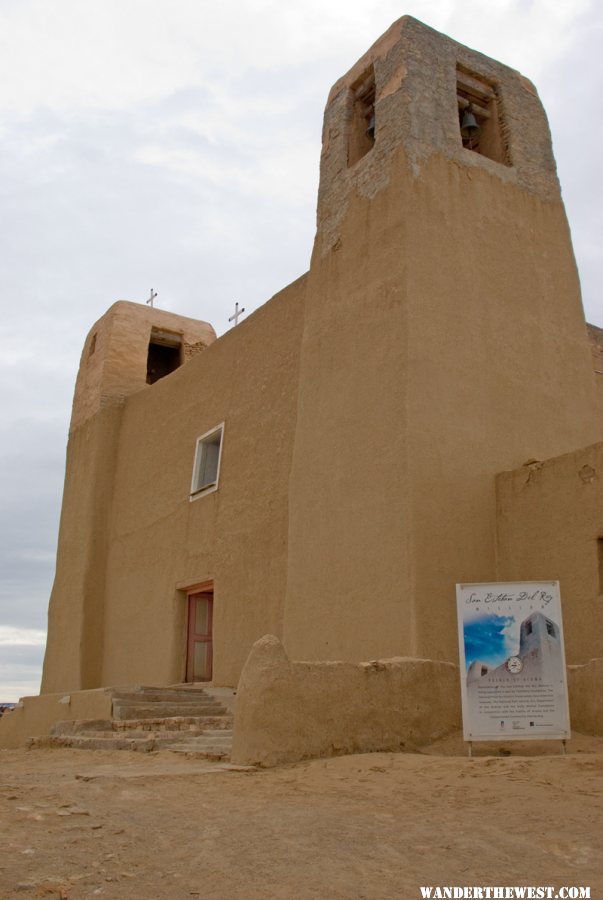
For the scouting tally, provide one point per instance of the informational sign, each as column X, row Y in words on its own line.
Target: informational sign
column 513, row 679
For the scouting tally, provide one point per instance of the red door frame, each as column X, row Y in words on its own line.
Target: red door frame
column 207, row 588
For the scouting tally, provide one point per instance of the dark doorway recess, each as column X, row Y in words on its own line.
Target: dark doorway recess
column 164, row 356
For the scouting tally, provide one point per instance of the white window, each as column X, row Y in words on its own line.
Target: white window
column 206, row 469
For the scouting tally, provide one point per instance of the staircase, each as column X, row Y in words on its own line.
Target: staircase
column 187, row 720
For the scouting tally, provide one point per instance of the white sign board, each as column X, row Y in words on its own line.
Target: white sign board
column 513, row 680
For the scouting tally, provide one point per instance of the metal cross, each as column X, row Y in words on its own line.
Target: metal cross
column 238, row 312
column 152, row 297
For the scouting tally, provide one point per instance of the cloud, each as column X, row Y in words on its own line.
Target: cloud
column 489, row 639
column 21, row 637
column 21, row 656
column 20, row 668
column 127, row 52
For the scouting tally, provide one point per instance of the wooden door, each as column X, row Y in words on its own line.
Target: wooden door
column 199, row 646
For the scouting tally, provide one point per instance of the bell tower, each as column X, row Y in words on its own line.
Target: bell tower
column 444, row 341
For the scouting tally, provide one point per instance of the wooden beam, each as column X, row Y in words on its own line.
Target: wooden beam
column 478, row 111
column 467, row 83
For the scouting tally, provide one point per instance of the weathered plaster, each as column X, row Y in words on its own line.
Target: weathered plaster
column 416, row 110
column 36, row 715
column 596, row 341
column 129, row 534
column 113, row 363
column 287, row 711
column 549, row 520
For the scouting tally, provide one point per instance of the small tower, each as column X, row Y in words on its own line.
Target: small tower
column 537, row 631
column 540, row 647
column 129, row 348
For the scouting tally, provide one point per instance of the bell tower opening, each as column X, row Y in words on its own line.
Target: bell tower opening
column 480, row 121
column 164, row 356
column 362, row 117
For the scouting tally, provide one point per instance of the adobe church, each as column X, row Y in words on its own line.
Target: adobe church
column 419, row 409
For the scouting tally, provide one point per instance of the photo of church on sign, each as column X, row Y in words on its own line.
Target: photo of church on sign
column 538, row 655
column 511, row 641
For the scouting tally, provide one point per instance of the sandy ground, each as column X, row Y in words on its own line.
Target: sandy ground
column 121, row 825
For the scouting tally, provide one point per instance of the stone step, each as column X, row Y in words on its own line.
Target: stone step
column 84, row 742
column 150, row 695
column 130, row 710
column 147, row 718
column 218, row 735
column 215, row 736
column 197, row 700
column 79, row 726
column 202, row 747
column 175, row 725
column 170, row 741
column 141, row 699
column 202, row 751
column 160, row 737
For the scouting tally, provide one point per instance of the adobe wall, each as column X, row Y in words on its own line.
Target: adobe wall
column 113, row 366
column 35, row 716
column 585, row 689
column 75, row 644
column 549, row 522
column 160, row 541
column 288, row 711
column 595, row 336
column 443, row 341
column 131, row 537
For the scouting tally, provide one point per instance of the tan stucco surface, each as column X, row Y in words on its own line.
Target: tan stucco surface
column 585, row 688
column 75, row 644
column 437, row 339
column 596, row 342
column 443, row 341
column 287, row 711
column 131, row 538
column 549, row 522
column 36, row 715
column 114, row 356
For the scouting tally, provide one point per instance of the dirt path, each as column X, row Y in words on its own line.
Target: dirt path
column 77, row 824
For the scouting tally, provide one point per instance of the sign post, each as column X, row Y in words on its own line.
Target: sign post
column 512, row 662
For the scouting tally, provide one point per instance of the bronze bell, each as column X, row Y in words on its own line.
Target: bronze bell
column 370, row 131
column 469, row 126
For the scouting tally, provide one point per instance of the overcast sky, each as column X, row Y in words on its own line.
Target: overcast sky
column 174, row 145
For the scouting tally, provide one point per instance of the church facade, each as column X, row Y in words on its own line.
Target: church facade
column 329, row 469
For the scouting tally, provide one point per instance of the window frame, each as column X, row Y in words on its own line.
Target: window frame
column 201, row 442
